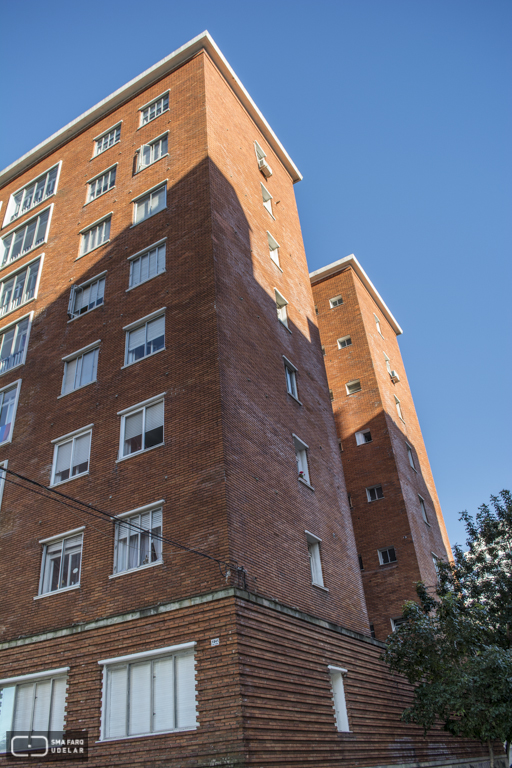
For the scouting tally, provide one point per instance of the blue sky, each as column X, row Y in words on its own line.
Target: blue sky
column 399, row 115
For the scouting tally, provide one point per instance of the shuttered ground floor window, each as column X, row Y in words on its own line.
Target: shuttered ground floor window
column 149, row 693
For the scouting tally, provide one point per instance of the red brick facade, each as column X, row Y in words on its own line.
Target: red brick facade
column 236, row 518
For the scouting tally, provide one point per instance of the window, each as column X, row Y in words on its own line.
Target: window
column 365, row 436
column 3, row 475
column 33, row 703
column 387, row 556
column 262, row 162
column 150, row 153
column 273, row 246
column 372, row 632
column 423, row 510
column 410, row 456
column 267, row 200
column 337, row 301
column 281, row 304
column 13, row 344
column 375, row 493
column 151, row 111
column 361, row 566
column 331, row 394
column 338, row 697
column 395, row 623
column 398, row 408
column 147, row 264
column 377, row 323
column 32, row 194
column 301, row 456
column 71, row 455
column 323, row 350
column 353, row 387
column 101, row 184
column 87, row 296
column 436, row 560
column 138, row 540
column 62, row 560
column 8, row 404
column 350, row 501
column 346, row 341
column 142, row 427
column 107, row 140
column 315, row 562
column 152, row 692
column 388, row 364
column 291, row 378
column 145, row 337
column 95, row 236
column 19, row 287
column 80, row 368
column 25, row 238
column 150, row 203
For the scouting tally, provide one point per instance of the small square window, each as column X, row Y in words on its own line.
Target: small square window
column 410, row 456
column 291, row 378
column 101, row 184
column 346, row 341
column 154, row 109
column 338, row 696
column 62, row 560
column 337, row 301
column 150, row 153
column 138, row 540
column 267, row 200
column 142, row 428
column 374, row 493
column 315, row 562
column 147, row 264
column 95, row 236
column 80, row 369
column 281, row 304
column 365, row 436
column 145, row 337
column 150, row 203
column 107, row 140
column 353, row 387
column 71, row 456
column 83, row 298
column 273, row 246
column 301, row 456
column 387, row 556
column 423, row 510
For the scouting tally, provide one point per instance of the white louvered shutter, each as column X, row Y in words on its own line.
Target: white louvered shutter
column 154, row 416
column 163, row 694
column 136, row 338
column 144, row 268
column 161, row 259
column 42, row 701
column 81, row 451
column 88, row 372
column 185, row 691
column 156, row 328
column 23, row 707
column 63, row 457
column 132, row 427
column 117, row 691
column 140, row 698
column 58, row 704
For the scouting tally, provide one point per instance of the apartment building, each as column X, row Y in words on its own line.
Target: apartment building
column 179, row 574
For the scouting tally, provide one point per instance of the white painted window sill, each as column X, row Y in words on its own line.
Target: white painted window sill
column 305, row 482
column 143, row 282
column 69, row 479
column 136, row 223
column 92, row 251
column 149, row 122
column 136, row 570
column 295, row 398
column 128, row 365
column 284, row 326
column 138, row 453
column 57, row 592
column 139, row 170
column 77, row 389
column 319, row 586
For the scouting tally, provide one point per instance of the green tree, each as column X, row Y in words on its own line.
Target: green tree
column 456, row 646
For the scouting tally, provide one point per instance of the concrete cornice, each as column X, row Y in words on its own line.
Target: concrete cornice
column 351, row 261
column 203, row 42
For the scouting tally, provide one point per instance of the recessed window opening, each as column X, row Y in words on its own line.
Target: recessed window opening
column 31, row 195
column 301, row 457
column 101, row 184
column 150, row 153
column 377, row 323
column 410, row 456
column 80, row 370
column 19, row 287
column 13, row 344
column 62, row 561
column 83, row 298
column 273, row 246
column 338, row 696
column 387, row 556
column 267, row 199
column 150, row 204
column 8, row 404
column 353, row 387
column 142, row 428
column 145, row 340
column 138, row 540
column 315, row 561
column 346, row 341
column 398, row 408
column 147, row 265
column 291, row 378
column 423, row 509
column 95, row 236
column 364, row 436
column 155, row 109
column 281, row 307
column 374, row 493
column 336, row 301
column 26, row 237
column 71, row 456
column 107, row 140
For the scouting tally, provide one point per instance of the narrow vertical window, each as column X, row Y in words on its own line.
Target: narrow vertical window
column 273, row 247
column 291, row 378
column 423, row 510
column 377, row 323
column 315, row 562
column 410, row 456
column 281, row 307
column 301, row 456
column 338, row 696
column 398, row 408
column 267, row 199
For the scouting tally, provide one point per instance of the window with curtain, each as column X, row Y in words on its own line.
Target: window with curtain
column 37, row 705
column 138, row 541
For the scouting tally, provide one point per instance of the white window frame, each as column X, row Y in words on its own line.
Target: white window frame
column 9, row 218
column 381, row 555
column 13, row 275
column 399, row 408
column 388, row 364
column 148, row 106
column 89, row 228
column 65, row 439
column 6, row 329
column 151, row 144
column 336, row 301
column 173, row 651
column 423, row 508
column 61, row 538
column 99, row 138
column 315, row 560
column 345, row 341
column 3, row 476
column 144, row 321
column 130, row 412
column 81, row 287
column 374, row 488
column 377, row 323
column 267, row 200
column 260, row 153
column 6, row 262
column 95, row 346
column 291, row 379
column 410, row 456
column 140, row 255
column 12, row 385
column 360, row 437
column 273, row 249
column 148, row 194
column 353, row 382
column 338, row 698
column 397, row 622
column 7, row 720
column 96, row 178
column 126, row 517
column 301, row 457
column 281, row 307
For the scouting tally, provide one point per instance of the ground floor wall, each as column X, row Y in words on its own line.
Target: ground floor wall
column 262, row 684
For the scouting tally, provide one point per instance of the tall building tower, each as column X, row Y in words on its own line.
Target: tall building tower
column 178, row 569
column 398, row 524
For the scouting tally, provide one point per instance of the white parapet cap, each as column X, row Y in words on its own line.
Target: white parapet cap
column 203, row 42
column 351, row 261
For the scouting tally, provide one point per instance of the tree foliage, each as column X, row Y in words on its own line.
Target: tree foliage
column 456, row 645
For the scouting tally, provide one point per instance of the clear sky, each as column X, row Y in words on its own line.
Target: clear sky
column 398, row 114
